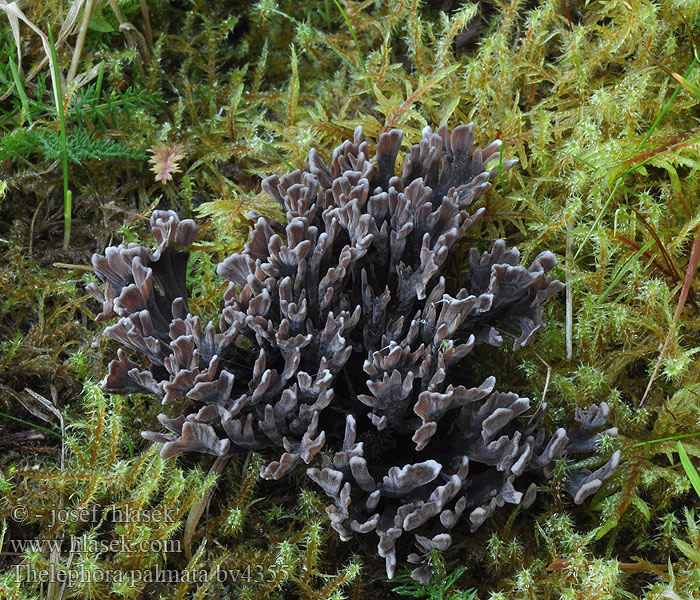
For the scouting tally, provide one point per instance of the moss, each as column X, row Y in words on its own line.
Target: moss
column 581, row 93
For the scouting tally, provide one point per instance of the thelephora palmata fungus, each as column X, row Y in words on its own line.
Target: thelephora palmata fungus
column 339, row 332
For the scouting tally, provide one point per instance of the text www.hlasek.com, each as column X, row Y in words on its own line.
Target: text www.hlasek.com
column 256, row 574
column 85, row 543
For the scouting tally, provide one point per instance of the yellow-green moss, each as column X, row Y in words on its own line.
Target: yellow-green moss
column 582, row 94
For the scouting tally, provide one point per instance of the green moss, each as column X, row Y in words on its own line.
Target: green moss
column 607, row 179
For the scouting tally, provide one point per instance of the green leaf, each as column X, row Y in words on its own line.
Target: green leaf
column 689, row 469
column 642, row 507
column 599, row 532
column 99, row 23
column 691, row 552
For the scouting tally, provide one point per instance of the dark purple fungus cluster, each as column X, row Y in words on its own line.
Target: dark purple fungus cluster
column 338, row 332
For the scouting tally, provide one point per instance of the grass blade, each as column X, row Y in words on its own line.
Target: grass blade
column 67, row 196
column 33, row 425
column 667, row 439
column 20, row 89
column 689, row 469
column 354, row 36
column 665, row 108
column 688, row 550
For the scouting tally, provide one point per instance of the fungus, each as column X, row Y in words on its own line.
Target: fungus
column 338, row 331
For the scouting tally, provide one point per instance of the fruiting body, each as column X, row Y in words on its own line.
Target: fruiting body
column 338, row 332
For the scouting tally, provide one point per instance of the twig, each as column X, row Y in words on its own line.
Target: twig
column 60, row 265
column 689, row 276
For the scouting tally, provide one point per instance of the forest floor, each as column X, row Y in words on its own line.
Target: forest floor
column 111, row 110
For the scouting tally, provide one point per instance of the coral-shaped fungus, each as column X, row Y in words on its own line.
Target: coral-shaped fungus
column 338, row 332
